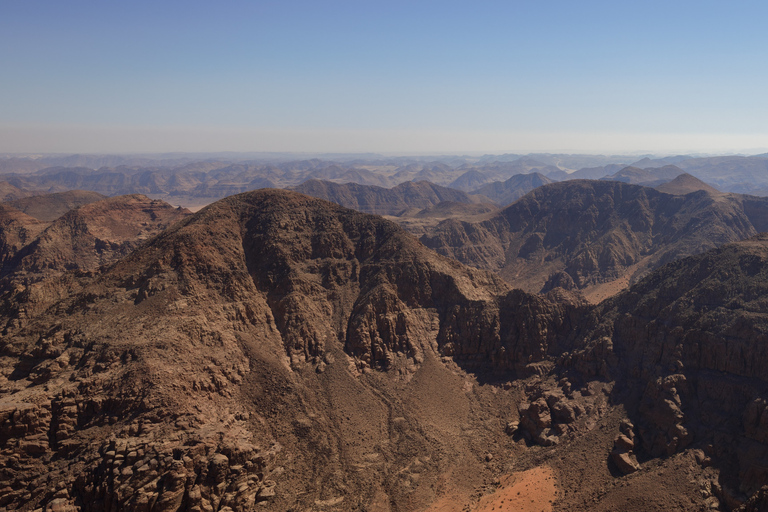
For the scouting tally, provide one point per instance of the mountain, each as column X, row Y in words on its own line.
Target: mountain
column 595, row 236
column 648, row 162
column 9, row 193
column 56, row 261
column 278, row 351
column 685, row 184
column 595, row 173
column 244, row 347
column 651, row 176
column 49, row 207
column 382, row 201
column 509, row 191
column 692, row 336
column 17, row 229
column 730, row 173
column 470, row 180
column 504, row 170
column 448, row 209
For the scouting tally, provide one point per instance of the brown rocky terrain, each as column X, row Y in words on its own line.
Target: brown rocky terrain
column 685, row 184
column 49, row 207
column 590, row 235
column 407, row 197
column 277, row 351
column 688, row 346
column 509, row 191
column 651, row 176
column 17, row 229
column 51, row 265
column 10, row 193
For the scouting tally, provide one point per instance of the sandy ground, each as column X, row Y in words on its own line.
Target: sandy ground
column 598, row 293
column 534, row 490
column 527, row 491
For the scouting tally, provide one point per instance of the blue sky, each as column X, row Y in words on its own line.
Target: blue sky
column 88, row 76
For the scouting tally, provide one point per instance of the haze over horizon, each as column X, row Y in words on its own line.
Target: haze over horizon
column 448, row 77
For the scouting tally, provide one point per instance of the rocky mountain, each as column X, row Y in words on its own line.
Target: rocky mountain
column 449, row 209
column 594, row 173
column 235, row 351
column 405, row 197
column 278, row 351
column 470, row 180
column 596, row 236
column 49, row 207
column 730, row 173
column 689, row 348
column 10, row 193
column 685, row 184
column 65, row 253
column 509, row 191
column 17, row 229
column 648, row 162
column 502, row 171
column 651, row 176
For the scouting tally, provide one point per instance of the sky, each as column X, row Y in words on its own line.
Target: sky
column 383, row 76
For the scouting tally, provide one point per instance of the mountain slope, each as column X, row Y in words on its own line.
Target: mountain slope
column 685, row 184
column 9, row 192
column 509, row 191
column 235, row 348
column 382, row 201
column 49, row 207
column 68, row 252
column 584, row 234
column 17, row 229
column 689, row 345
column 281, row 350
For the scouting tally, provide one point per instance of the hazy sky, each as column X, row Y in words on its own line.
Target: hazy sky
column 386, row 76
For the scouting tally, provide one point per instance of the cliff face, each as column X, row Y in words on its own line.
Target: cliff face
column 17, row 229
column 688, row 348
column 582, row 234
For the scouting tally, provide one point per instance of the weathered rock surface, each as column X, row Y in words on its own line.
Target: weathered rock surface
column 509, row 191
column 278, row 349
column 42, row 269
column 688, row 347
column 17, row 229
column 581, row 234
column 406, row 197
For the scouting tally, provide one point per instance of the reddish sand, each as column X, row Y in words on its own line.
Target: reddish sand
column 527, row 491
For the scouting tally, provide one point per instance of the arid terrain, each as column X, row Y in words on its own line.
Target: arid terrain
column 596, row 345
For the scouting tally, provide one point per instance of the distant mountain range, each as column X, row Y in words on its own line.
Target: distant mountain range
column 202, row 181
